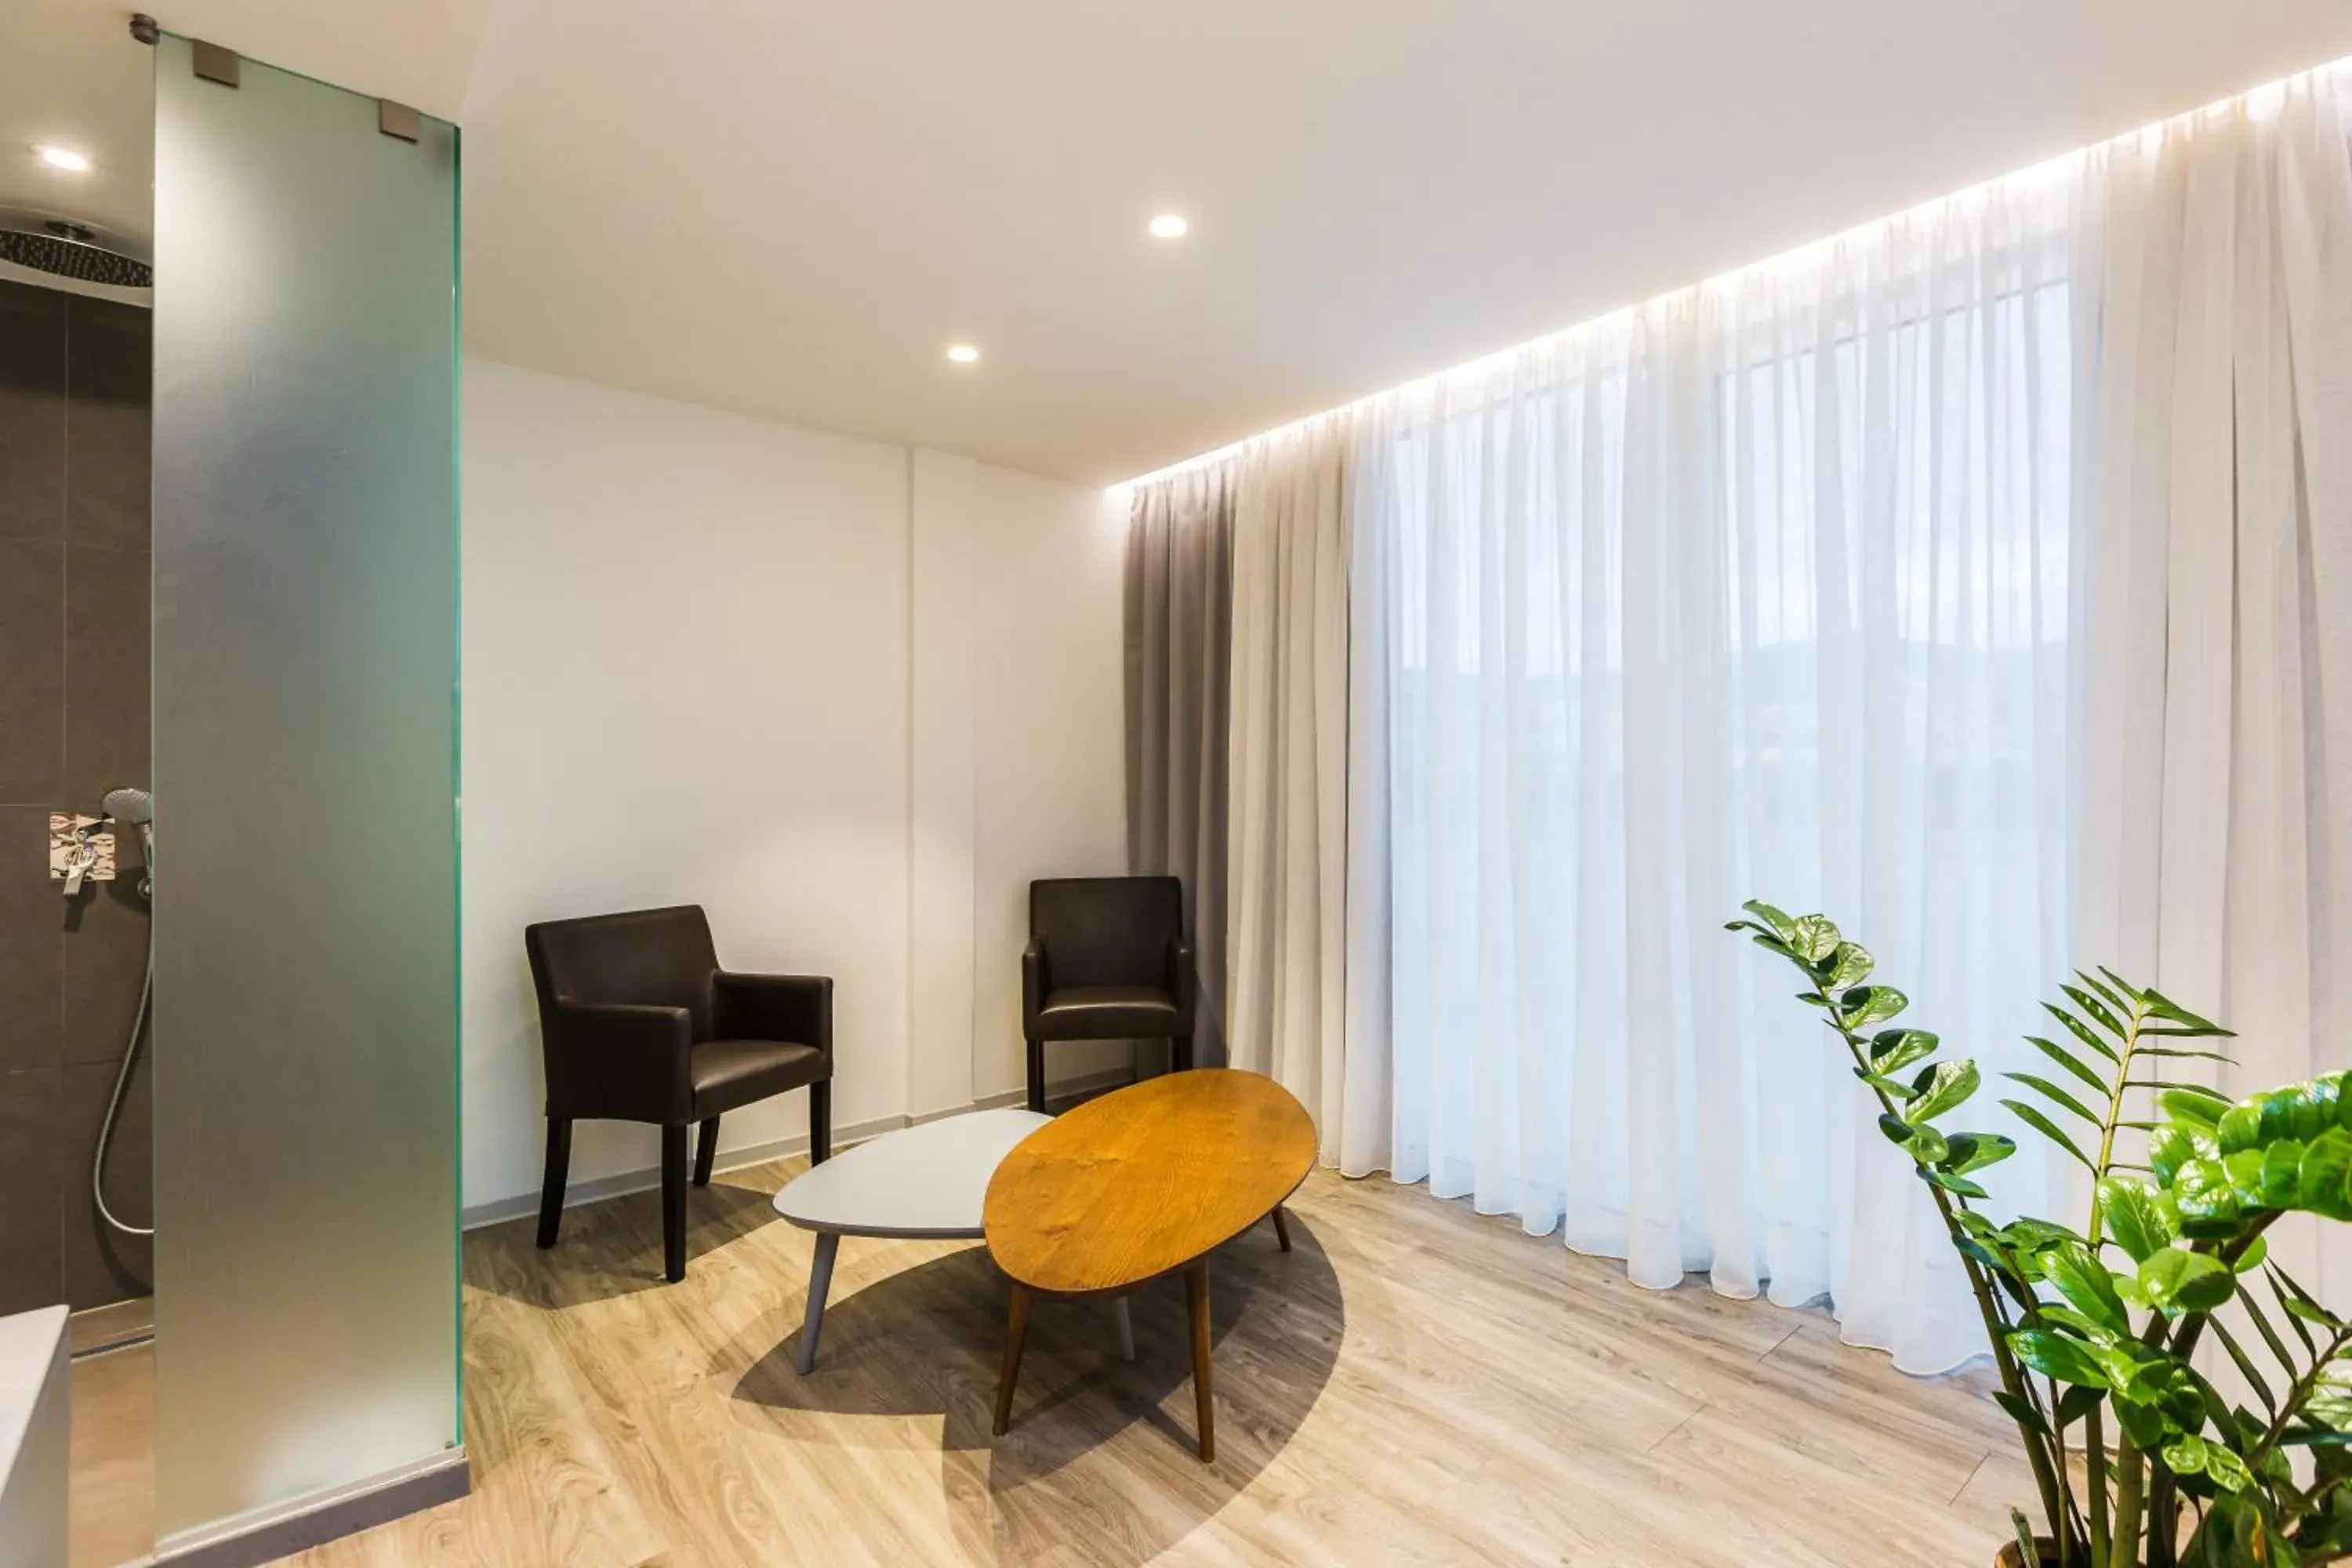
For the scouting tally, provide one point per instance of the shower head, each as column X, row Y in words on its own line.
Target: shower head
column 70, row 251
column 134, row 807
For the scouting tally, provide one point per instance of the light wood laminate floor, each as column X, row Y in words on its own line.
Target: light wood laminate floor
column 1413, row 1384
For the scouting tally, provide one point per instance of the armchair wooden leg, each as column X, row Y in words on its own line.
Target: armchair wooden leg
column 705, row 1151
column 1037, row 1077
column 550, row 1191
column 820, row 1122
column 673, row 1202
column 1179, row 1054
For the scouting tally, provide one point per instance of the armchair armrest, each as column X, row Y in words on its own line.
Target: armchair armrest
column 793, row 1007
column 619, row 1060
column 1180, row 980
column 1036, row 982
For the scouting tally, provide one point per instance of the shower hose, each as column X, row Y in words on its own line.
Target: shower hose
column 114, row 1103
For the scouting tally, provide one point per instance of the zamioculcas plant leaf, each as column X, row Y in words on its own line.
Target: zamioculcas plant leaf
column 2094, row 1332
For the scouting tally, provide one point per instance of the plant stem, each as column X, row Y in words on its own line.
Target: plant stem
column 2094, row 1451
column 2129, row 1470
column 2063, row 1536
column 2049, row 1480
column 2163, row 1506
column 2103, row 1544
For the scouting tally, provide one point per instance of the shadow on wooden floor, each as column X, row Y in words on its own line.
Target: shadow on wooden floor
column 610, row 1247
column 1101, row 1453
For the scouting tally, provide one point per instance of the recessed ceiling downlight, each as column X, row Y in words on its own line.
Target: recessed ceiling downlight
column 1169, row 225
column 65, row 158
column 963, row 354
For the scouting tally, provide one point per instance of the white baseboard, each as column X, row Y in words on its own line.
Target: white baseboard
column 498, row 1211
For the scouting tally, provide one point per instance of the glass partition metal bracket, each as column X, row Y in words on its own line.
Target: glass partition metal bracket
column 214, row 63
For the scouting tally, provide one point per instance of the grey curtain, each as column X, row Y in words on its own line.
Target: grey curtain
column 1179, row 594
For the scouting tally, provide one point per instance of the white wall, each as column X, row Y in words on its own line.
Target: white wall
column 1050, row 764
column 847, row 697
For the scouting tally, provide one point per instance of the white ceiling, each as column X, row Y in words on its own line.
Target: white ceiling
column 71, row 75
column 790, row 207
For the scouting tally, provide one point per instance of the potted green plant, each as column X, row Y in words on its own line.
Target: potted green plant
column 2139, row 1460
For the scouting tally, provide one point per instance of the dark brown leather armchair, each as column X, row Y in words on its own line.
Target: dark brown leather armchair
column 639, row 1023
column 1107, row 959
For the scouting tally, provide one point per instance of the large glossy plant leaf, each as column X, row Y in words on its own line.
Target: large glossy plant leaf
column 1974, row 1150
column 1940, row 1089
column 2185, row 1456
column 2179, row 1280
column 1813, row 937
column 2253, row 1161
column 2324, row 1182
column 2084, row 1280
column 1849, row 965
column 2027, row 1234
column 2311, row 1110
column 1945, row 1174
column 2056, row 1355
column 2228, row 1471
column 2175, row 1145
column 2207, row 1204
column 2193, row 1103
column 2168, row 1391
column 1860, row 1006
column 1892, row 1050
column 2136, row 1215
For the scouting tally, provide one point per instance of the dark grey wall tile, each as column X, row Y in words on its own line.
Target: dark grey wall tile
column 102, row 1265
column 30, row 1272
column 104, row 954
column 74, row 636
column 32, row 413
column 32, row 909
column 108, row 376
column 107, row 628
column 32, row 671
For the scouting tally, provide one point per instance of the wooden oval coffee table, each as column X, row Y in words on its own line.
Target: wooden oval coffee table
column 1142, row 1183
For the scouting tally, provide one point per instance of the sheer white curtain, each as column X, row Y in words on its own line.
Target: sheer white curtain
column 2218, row 735
column 1762, row 589
column 1982, row 579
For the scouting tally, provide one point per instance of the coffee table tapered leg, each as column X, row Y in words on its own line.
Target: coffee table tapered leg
column 1016, row 1328
column 1282, row 1227
column 1125, row 1324
column 1196, row 1297
column 828, row 1243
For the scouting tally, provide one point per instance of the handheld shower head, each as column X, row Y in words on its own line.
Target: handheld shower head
column 134, row 807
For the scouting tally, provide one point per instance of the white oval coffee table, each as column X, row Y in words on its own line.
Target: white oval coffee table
column 925, row 1182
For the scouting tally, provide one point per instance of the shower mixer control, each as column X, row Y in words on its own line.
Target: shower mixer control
column 81, row 849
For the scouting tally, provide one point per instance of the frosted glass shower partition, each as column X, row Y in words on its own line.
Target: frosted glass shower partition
column 305, row 665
